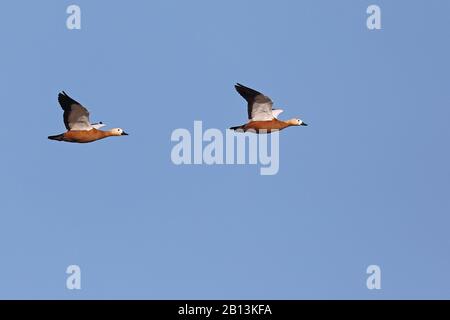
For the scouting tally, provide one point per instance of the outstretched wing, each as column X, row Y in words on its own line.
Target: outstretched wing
column 76, row 117
column 259, row 106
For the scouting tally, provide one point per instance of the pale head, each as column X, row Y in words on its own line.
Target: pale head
column 118, row 132
column 296, row 122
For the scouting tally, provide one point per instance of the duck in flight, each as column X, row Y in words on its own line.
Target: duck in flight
column 79, row 128
column 262, row 117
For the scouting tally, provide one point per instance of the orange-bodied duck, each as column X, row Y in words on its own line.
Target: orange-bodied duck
column 262, row 118
column 79, row 128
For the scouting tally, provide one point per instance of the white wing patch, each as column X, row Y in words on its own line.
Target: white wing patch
column 81, row 124
column 276, row 112
column 98, row 125
column 262, row 111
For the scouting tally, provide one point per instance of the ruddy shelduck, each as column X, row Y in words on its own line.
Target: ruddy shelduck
column 262, row 117
column 79, row 128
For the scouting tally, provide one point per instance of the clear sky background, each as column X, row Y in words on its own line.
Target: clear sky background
column 366, row 183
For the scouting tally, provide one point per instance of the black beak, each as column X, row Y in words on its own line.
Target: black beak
column 124, row 134
column 304, row 124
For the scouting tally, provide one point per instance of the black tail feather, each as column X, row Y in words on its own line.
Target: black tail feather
column 59, row 137
column 237, row 128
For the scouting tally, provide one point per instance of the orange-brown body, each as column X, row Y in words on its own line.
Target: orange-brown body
column 85, row 136
column 264, row 126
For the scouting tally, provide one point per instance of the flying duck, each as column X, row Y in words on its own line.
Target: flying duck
column 262, row 118
column 79, row 128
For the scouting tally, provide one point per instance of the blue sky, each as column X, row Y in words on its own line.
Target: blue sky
column 365, row 183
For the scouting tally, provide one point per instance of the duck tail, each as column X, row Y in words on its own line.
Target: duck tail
column 237, row 128
column 59, row 137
